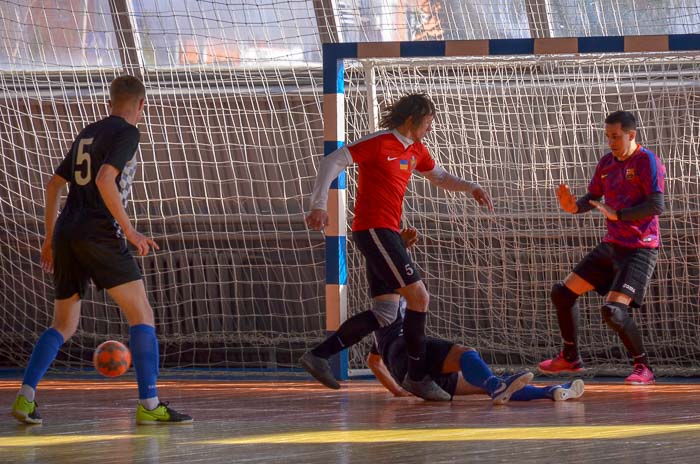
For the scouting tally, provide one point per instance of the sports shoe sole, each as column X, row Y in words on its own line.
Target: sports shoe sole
column 517, row 384
column 432, row 393
column 650, row 382
column 321, row 376
column 24, row 418
column 562, row 371
column 157, row 422
column 571, row 393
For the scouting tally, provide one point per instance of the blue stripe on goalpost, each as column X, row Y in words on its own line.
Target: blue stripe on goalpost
column 334, row 55
column 336, row 241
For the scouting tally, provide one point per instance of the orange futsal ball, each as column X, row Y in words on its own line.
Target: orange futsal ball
column 112, row 358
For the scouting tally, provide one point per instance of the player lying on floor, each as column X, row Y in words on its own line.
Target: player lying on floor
column 457, row 369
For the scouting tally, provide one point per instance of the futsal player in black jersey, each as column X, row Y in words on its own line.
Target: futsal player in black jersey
column 88, row 241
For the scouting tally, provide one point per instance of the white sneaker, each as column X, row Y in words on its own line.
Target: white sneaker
column 569, row 391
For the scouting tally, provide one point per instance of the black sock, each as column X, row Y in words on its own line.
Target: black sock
column 632, row 339
column 641, row 359
column 570, row 351
column 567, row 315
column 414, row 334
column 350, row 332
column 619, row 319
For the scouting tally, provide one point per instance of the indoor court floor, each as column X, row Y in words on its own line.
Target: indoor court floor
column 92, row 421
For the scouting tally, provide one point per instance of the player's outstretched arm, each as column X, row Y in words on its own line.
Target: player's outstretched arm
column 482, row 197
column 54, row 189
column 443, row 179
column 380, row 371
column 607, row 211
column 106, row 184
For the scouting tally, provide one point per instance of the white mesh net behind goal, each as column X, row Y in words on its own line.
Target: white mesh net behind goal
column 227, row 157
column 520, row 127
column 231, row 139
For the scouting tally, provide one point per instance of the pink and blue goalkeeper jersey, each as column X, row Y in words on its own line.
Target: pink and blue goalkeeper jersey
column 625, row 184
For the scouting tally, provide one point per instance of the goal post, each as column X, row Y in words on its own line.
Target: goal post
column 545, row 98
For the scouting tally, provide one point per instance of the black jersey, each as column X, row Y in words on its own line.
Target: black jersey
column 389, row 343
column 112, row 141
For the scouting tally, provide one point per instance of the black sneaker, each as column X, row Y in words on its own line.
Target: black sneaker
column 320, row 369
column 426, row 389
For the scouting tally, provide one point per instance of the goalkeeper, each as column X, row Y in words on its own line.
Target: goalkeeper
column 631, row 179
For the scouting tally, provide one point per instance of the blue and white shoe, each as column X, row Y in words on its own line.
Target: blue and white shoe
column 510, row 385
column 569, row 391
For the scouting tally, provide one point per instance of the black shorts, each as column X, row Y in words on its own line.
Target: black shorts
column 610, row 267
column 105, row 260
column 437, row 349
column 389, row 266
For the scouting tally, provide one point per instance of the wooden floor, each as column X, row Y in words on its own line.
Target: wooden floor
column 300, row 422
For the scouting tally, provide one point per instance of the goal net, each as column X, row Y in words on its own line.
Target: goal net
column 227, row 158
column 231, row 138
column 520, row 127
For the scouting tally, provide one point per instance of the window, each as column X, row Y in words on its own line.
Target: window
column 56, row 34
column 576, row 18
column 392, row 20
column 228, row 33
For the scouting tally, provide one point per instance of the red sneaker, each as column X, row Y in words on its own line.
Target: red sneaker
column 560, row 365
column 642, row 375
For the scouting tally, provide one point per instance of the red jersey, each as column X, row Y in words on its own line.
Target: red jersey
column 385, row 160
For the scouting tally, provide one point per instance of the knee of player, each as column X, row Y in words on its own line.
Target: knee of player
column 615, row 315
column 467, row 349
column 562, row 296
column 66, row 328
column 385, row 311
column 418, row 301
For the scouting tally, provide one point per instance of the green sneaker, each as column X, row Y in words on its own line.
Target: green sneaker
column 26, row 411
column 162, row 414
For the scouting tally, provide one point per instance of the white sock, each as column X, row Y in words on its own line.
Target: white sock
column 27, row 391
column 150, row 403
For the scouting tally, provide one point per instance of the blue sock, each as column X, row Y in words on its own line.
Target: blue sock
column 44, row 353
column 530, row 392
column 144, row 351
column 477, row 372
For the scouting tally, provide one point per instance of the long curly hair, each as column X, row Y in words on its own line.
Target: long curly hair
column 416, row 105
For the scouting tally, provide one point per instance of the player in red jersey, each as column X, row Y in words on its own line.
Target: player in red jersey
column 386, row 160
column 631, row 178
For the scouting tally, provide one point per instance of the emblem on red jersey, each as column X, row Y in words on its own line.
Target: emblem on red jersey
column 629, row 174
column 413, row 162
